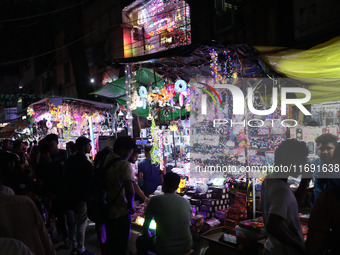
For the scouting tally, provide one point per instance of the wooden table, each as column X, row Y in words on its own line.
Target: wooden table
column 217, row 247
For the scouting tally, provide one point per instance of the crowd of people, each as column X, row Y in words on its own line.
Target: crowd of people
column 46, row 183
column 49, row 183
column 280, row 205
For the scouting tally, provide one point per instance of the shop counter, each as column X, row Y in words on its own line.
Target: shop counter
column 218, row 247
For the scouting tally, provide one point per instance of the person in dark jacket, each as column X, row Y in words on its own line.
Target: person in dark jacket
column 79, row 171
column 324, row 221
column 325, row 178
column 150, row 172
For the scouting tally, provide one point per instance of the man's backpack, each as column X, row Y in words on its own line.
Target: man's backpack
column 97, row 205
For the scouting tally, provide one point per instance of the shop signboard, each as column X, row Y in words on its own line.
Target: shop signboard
column 155, row 25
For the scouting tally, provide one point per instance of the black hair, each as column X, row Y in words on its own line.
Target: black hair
column 148, row 148
column 290, row 149
column 171, row 180
column 137, row 150
column 43, row 146
column 123, row 142
column 6, row 157
column 17, row 143
column 72, row 146
column 51, row 137
column 101, row 155
column 326, row 138
column 81, row 142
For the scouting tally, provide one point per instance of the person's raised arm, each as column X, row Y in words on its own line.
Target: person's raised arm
column 139, row 192
column 129, row 194
column 300, row 193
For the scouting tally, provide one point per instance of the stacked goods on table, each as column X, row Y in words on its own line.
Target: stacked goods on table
column 197, row 223
column 139, row 212
column 215, row 207
column 304, row 218
column 304, row 229
column 210, row 224
column 207, row 204
column 237, row 212
column 253, row 224
column 229, row 237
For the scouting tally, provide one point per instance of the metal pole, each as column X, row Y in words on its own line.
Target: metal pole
column 128, row 98
column 254, row 199
column 140, row 131
column 173, row 141
column 92, row 137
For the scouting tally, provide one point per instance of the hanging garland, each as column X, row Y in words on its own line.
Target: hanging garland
column 155, row 159
column 214, row 64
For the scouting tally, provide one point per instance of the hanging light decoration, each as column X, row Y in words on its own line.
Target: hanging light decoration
column 149, row 117
column 120, row 114
column 129, row 116
column 173, row 127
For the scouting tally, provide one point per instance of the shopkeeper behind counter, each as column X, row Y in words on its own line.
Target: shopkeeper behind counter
column 149, row 172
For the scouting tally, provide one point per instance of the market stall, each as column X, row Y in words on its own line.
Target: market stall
column 182, row 144
column 70, row 118
column 189, row 109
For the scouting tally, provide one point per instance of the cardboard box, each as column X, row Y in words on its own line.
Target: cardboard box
column 221, row 214
column 209, row 202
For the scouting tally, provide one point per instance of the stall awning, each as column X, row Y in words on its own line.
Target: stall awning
column 59, row 100
column 117, row 89
column 143, row 77
column 13, row 125
column 318, row 68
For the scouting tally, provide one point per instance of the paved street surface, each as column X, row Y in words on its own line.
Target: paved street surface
column 91, row 242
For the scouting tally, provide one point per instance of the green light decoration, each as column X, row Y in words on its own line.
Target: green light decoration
column 155, row 159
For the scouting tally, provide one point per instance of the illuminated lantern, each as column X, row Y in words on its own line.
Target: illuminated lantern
column 180, row 86
column 153, row 224
column 133, row 106
column 149, row 117
column 139, row 221
column 143, row 93
column 54, row 131
column 59, row 125
column 181, row 98
column 49, row 124
column 173, row 127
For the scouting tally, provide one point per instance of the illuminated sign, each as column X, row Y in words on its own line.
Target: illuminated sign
column 155, row 25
